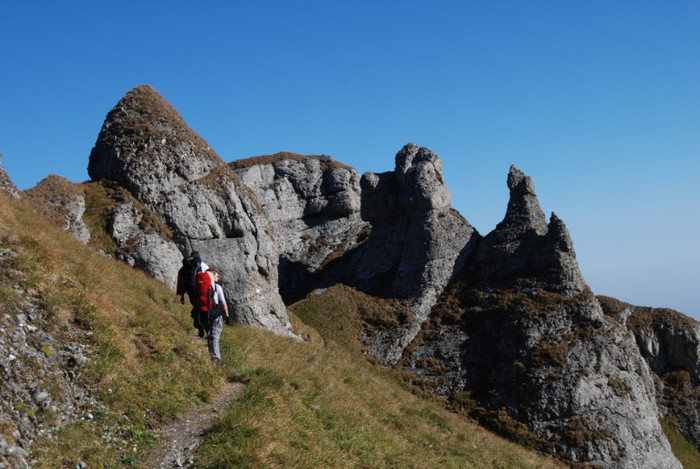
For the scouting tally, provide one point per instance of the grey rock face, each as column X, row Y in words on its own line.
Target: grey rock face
column 61, row 201
column 419, row 174
column 519, row 330
column 148, row 251
column 6, row 185
column 523, row 243
column 393, row 234
column 313, row 204
column 146, row 147
column 670, row 343
column 417, row 242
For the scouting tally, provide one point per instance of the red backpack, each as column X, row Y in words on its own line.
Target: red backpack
column 204, row 292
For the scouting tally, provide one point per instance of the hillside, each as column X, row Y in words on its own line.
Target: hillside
column 97, row 356
column 499, row 327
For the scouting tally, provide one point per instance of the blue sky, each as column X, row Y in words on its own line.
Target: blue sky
column 597, row 101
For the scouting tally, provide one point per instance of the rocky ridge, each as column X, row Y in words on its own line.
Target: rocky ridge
column 521, row 333
column 393, row 234
column 503, row 326
column 63, row 202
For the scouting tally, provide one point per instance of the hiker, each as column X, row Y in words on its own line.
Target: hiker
column 215, row 325
column 191, row 265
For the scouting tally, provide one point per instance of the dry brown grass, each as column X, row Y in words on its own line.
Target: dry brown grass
column 146, row 364
column 326, row 161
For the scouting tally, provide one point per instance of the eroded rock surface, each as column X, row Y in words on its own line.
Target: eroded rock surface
column 146, row 147
column 61, row 201
column 670, row 343
column 391, row 234
column 520, row 338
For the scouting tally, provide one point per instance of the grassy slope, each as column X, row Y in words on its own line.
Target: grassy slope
column 146, row 367
column 321, row 404
column 311, row 404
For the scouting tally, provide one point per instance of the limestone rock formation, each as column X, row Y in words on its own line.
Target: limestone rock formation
column 146, row 147
column 6, row 185
column 520, row 337
column 416, row 245
column 144, row 248
column 61, row 201
column 313, row 204
column 392, row 234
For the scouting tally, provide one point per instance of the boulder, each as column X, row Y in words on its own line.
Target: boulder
column 62, row 202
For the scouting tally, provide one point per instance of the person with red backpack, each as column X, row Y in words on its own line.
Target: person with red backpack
column 191, row 266
column 211, row 307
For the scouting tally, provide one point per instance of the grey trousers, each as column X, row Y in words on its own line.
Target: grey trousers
column 213, row 337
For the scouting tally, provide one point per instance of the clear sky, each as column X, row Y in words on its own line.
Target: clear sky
column 597, row 101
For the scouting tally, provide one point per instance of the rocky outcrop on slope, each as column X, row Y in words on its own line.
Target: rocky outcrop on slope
column 313, row 204
column 520, row 338
column 391, row 234
column 416, row 245
column 39, row 392
column 6, row 185
column 143, row 241
column 137, row 235
column 670, row 343
column 146, row 147
column 62, row 202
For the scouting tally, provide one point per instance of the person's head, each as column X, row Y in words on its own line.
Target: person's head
column 215, row 273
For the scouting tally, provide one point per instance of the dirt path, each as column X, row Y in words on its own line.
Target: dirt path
column 179, row 440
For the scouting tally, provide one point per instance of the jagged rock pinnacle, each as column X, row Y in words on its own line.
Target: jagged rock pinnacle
column 523, row 207
column 146, row 145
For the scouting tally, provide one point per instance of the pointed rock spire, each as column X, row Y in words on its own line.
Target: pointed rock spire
column 556, row 255
column 524, row 245
column 523, row 207
column 146, row 145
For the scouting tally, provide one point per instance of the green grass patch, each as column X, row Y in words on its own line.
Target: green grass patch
column 685, row 452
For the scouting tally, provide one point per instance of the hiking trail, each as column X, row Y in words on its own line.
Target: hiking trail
column 178, row 441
